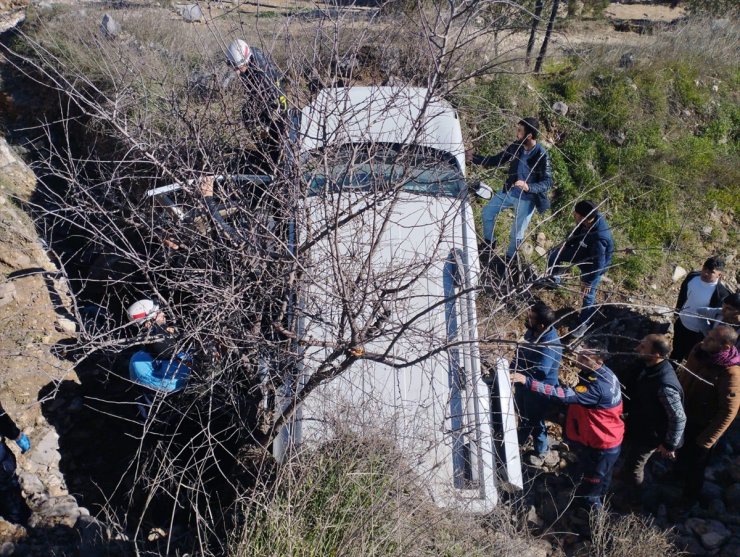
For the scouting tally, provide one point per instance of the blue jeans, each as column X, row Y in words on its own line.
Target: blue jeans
column 595, row 470
column 523, row 211
column 588, row 306
column 555, row 260
column 532, row 409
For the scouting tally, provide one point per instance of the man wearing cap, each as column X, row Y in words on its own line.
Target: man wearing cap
column 590, row 247
column 526, row 187
column 700, row 289
column 12, row 506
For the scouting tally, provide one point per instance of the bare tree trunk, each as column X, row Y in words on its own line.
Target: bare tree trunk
column 550, row 25
column 533, row 32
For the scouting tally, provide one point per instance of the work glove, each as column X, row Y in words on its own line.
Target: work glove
column 24, row 443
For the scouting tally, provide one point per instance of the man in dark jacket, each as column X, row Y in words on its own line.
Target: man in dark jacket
column 526, row 187
column 700, row 289
column 590, row 247
column 266, row 109
column 12, row 506
column 593, row 423
column 538, row 358
column 656, row 418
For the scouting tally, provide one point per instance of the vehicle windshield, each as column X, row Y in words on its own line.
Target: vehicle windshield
column 383, row 167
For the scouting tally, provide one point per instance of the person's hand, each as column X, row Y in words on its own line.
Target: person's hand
column 665, row 453
column 468, row 155
column 23, row 442
column 585, row 288
column 205, row 184
column 518, row 378
column 522, row 185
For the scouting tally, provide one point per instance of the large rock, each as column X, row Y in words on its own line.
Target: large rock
column 560, row 108
column 11, row 532
column 31, row 483
column 679, row 273
column 7, row 293
column 14, row 170
column 191, row 13
column 46, row 451
column 713, row 540
column 109, row 27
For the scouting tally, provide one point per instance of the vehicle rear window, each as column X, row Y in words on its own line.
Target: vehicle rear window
column 382, row 168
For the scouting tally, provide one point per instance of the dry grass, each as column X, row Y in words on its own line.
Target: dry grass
column 359, row 497
column 628, row 536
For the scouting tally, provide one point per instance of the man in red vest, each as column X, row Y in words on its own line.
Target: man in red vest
column 593, row 423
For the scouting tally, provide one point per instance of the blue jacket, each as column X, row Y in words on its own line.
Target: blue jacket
column 540, row 357
column 593, row 246
column 166, row 376
column 540, row 179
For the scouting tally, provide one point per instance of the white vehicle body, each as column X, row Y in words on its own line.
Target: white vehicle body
column 419, row 380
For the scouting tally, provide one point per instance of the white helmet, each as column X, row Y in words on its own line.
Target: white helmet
column 142, row 311
column 238, row 53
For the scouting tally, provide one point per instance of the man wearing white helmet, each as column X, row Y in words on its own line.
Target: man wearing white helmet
column 266, row 108
column 145, row 312
column 160, row 365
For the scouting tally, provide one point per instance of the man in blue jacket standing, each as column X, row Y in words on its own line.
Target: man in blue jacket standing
column 526, row 187
column 590, row 247
column 539, row 359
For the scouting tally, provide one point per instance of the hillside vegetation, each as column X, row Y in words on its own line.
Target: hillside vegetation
column 652, row 132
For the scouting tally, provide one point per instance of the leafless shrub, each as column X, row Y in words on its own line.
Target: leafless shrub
column 628, row 536
column 133, row 118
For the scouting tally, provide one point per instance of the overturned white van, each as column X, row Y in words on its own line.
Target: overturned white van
column 387, row 244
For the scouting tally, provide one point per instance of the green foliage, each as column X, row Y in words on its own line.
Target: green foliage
column 660, row 141
column 611, row 104
column 686, row 86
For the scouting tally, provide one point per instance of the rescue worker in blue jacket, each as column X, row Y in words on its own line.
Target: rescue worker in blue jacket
column 159, row 367
column 593, row 423
column 526, row 187
column 12, row 506
column 590, row 247
column 538, row 358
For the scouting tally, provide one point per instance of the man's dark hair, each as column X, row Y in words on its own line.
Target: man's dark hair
column 659, row 345
column 586, row 208
column 733, row 300
column 543, row 314
column 714, row 263
column 531, row 126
